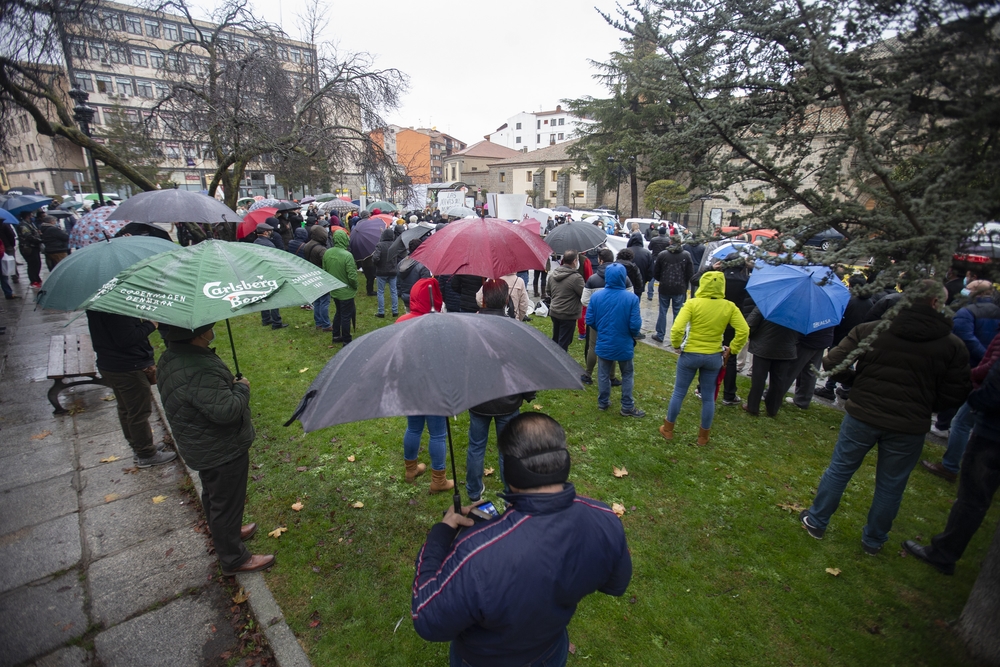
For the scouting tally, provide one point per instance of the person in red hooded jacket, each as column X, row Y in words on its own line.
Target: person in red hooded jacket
column 425, row 297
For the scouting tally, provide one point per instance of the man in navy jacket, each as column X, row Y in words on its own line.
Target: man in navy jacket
column 502, row 592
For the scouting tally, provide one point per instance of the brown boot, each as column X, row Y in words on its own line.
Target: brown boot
column 703, row 435
column 414, row 470
column 667, row 430
column 439, row 482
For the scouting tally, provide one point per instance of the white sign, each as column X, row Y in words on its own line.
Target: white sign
column 449, row 199
column 511, row 207
column 268, row 179
column 470, row 202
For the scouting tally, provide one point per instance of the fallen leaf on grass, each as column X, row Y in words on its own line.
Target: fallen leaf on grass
column 618, row 509
column 158, row 499
column 835, row 571
column 487, row 472
column 572, row 648
column 130, row 471
column 619, row 472
column 536, row 406
column 276, row 533
column 297, row 506
column 110, row 497
column 791, row 507
column 583, row 448
column 351, row 458
column 109, row 397
column 358, row 505
column 42, row 435
column 302, row 469
column 110, row 459
column 303, row 370
column 241, row 597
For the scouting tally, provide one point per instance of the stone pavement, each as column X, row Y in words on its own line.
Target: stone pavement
column 96, row 572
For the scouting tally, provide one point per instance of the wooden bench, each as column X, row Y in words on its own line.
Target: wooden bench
column 71, row 356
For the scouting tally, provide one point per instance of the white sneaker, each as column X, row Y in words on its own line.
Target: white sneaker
column 939, row 433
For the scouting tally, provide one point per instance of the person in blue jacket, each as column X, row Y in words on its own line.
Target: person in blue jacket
column 614, row 313
column 503, row 591
column 978, row 322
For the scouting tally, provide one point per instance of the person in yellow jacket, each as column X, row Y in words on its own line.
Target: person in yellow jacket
column 697, row 332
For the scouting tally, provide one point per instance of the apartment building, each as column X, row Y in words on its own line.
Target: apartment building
column 531, row 130
column 548, row 176
column 419, row 151
column 52, row 165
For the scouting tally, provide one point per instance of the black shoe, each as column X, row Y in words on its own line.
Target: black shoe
column 586, row 379
column 160, row 457
column 923, row 553
column 870, row 550
column 657, row 338
column 843, row 393
column 823, row 392
column 615, row 382
column 634, row 412
column 603, row 407
column 380, row 315
column 810, row 528
column 338, row 339
column 371, row 294
column 395, row 314
column 279, row 326
column 12, row 297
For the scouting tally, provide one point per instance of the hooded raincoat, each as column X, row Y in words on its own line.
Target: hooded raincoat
column 702, row 321
column 614, row 313
column 420, row 299
column 339, row 263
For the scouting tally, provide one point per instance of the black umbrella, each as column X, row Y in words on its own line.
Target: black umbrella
column 172, row 205
column 402, row 242
column 143, row 229
column 563, row 209
column 436, row 364
column 288, row 206
column 579, row 236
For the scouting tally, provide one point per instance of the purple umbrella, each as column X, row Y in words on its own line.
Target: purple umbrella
column 94, row 227
column 365, row 236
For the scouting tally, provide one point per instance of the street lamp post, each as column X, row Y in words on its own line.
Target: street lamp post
column 618, row 183
column 84, row 116
column 701, row 214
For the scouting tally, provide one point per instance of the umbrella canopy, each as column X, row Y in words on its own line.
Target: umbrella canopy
column 716, row 251
column 307, row 200
column 326, row 196
column 261, row 203
column 532, row 225
column 482, row 247
column 94, row 227
column 365, row 236
column 19, row 204
column 71, row 205
column 402, row 242
column 337, row 205
column 460, row 211
column 462, row 360
column 6, row 216
column 212, row 281
column 579, row 236
column 22, row 190
column 254, row 218
column 802, row 298
column 168, row 206
column 144, row 229
column 381, row 205
column 76, row 278
column 563, row 209
column 288, row 206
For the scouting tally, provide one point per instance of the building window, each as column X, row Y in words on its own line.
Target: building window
column 84, row 82
column 503, row 178
column 552, row 193
column 143, row 88
column 552, row 139
column 538, row 125
column 97, row 51
column 104, row 84
column 139, row 57
column 555, row 176
column 125, row 87
column 97, row 116
column 111, row 21
column 538, row 138
column 528, row 176
column 156, row 59
column 117, row 55
column 189, row 33
column 132, row 116
column 133, row 25
column 31, row 151
column 170, row 32
column 282, row 53
column 162, row 91
column 173, row 62
column 517, row 140
column 562, row 121
column 546, row 121
column 78, row 48
column 24, row 123
column 296, row 56
column 561, row 135
column 172, row 151
column 453, row 173
column 518, row 127
column 153, row 29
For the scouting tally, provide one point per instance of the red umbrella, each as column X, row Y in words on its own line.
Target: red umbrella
column 483, row 247
column 252, row 219
column 534, row 225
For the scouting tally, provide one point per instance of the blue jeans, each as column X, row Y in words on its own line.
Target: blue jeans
column 897, row 454
column 321, row 311
column 958, row 438
column 649, row 288
column 604, row 369
column 555, row 656
column 381, row 281
column 436, row 426
column 479, row 433
column 688, row 364
column 673, row 301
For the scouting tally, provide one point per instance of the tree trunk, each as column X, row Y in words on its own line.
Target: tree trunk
column 634, row 191
column 979, row 624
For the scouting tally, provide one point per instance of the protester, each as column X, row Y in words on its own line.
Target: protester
column 410, row 271
column 697, row 331
column 978, row 321
column 55, row 241
column 8, row 292
column 272, row 318
column 880, row 412
column 29, row 241
column 613, row 313
column 642, row 258
column 275, row 239
column 737, row 274
column 125, row 360
column 543, row 274
column 673, row 269
column 565, row 288
column 452, row 299
column 808, row 357
column 339, row 263
column 517, row 294
column 385, row 261
column 586, row 269
column 594, row 284
column 980, row 480
column 9, row 239
column 209, row 414
column 313, row 251
column 299, row 238
column 467, row 288
column 425, row 298
column 625, row 257
column 774, row 351
column 504, row 593
column 495, row 295
column 855, row 313
column 657, row 244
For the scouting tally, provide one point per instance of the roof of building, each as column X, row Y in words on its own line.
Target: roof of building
column 556, row 153
column 486, row 149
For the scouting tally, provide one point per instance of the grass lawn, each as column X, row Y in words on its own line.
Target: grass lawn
column 723, row 575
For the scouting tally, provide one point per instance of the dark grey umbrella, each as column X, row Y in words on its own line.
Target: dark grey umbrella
column 402, row 242
column 172, row 205
column 563, row 209
column 288, row 206
column 581, row 236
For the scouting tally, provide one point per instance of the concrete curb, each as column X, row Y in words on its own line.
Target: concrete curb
column 284, row 645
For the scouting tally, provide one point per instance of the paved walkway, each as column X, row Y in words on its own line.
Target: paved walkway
column 102, row 563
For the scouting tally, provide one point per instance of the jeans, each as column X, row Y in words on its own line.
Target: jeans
column 436, row 427
column 674, row 301
column 479, row 433
column 271, row 317
column 979, row 481
column 767, row 371
column 605, row 369
column 649, row 288
column 342, row 318
column 555, row 656
column 897, row 454
column 135, row 403
column 688, row 364
column 592, row 354
column 321, row 311
column 7, row 291
column 223, row 495
column 381, row 282
column 562, row 332
column 958, row 438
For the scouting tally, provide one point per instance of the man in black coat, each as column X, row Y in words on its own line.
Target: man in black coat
column 673, row 269
column 658, row 244
column 272, row 318
column 642, row 258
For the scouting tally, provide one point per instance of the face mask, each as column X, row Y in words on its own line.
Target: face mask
column 209, row 340
column 965, row 291
column 965, row 280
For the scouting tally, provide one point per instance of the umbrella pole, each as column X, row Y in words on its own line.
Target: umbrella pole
column 451, row 450
column 233, row 346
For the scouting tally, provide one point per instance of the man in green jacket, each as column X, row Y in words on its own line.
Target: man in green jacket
column 339, row 263
column 209, row 414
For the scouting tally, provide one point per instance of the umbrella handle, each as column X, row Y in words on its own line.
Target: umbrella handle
column 457, row 498
column 233, row 346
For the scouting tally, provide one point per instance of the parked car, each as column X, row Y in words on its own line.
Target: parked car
column 748, row 235
column 828, row 239
column 980, row 248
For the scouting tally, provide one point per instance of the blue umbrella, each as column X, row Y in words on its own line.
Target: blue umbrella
column 24, row 203
column 7, row 217
column 802, row 298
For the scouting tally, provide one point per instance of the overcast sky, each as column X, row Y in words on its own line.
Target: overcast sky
column 473, row 64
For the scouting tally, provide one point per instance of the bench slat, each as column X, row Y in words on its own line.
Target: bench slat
column 87, row 359
column 56, row 355
column 71, row 365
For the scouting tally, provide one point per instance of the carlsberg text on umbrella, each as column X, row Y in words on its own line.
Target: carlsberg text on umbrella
column 243, row 293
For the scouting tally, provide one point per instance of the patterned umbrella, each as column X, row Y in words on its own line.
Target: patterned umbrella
column 93, row 226
column 337, row 205
column 273, row 203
